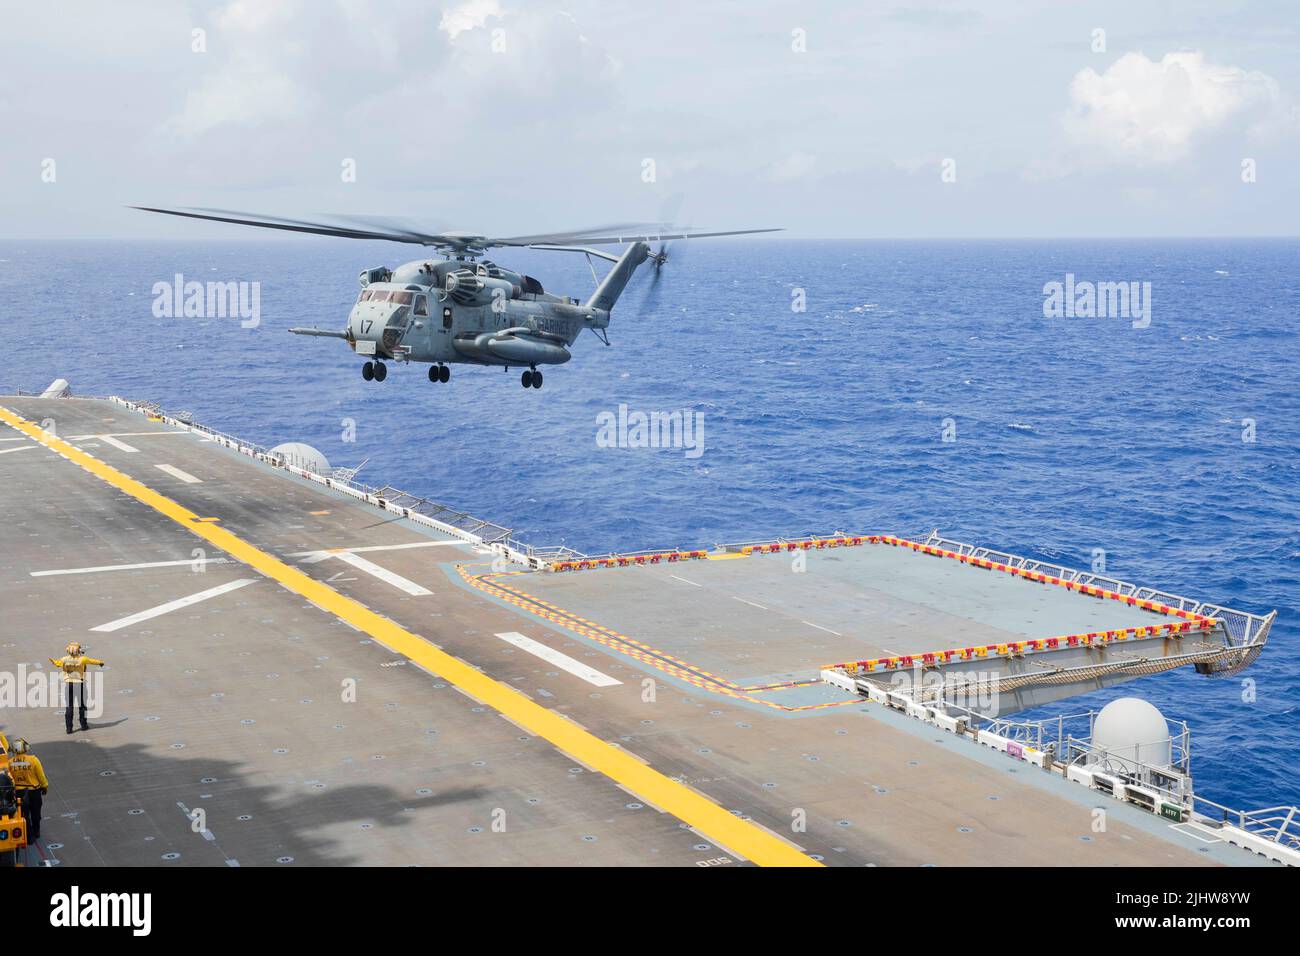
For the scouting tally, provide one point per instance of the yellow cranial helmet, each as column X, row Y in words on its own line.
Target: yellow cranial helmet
column 74, row 648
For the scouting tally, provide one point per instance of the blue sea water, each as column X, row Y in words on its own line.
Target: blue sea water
column 1071, row 434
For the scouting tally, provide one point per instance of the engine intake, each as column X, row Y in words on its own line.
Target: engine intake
column 470, row 289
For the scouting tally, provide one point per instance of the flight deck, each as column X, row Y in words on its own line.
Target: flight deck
column 765, row 618
column 301, row 675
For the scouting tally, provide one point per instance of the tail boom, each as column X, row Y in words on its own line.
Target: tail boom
column 612, row 286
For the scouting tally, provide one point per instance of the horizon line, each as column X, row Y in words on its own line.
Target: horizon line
column 787, row 237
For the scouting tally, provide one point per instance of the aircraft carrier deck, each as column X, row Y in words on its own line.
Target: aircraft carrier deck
column 334, row 676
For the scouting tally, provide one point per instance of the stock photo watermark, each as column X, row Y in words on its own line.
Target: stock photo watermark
column 37, row 688
column 208, row 300
column 1073, row 299
column 972, row 690
column 628, row 428
column 75, row 909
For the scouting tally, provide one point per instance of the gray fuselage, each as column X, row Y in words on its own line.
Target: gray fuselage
column 460, row 311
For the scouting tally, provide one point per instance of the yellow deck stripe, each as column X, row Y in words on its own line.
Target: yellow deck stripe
column 729, row 831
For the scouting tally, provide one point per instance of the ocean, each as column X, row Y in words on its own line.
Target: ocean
column 920, row 387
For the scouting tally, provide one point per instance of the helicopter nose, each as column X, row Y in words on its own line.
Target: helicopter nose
column 367, row 322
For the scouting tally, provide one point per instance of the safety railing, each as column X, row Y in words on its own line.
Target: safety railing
column 1280, row 825
column 486, row 531
column 546, row 555
column 1069, row 737
column 624, row 559
column 1067, row 746
column 734, row 546
column 612, row 559
column 1242, row 627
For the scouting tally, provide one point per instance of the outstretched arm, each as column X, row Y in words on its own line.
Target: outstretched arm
column 41, row 779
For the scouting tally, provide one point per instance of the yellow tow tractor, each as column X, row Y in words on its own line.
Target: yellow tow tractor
column 13, row 828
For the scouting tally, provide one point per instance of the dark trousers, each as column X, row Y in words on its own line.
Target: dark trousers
column 32, row 800
column 73, row 691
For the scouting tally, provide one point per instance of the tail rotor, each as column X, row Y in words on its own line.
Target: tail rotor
column 654, row 288
column 660, row 257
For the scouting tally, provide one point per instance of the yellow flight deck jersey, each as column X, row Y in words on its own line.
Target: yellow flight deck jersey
column 27, row 771
column 74, row 668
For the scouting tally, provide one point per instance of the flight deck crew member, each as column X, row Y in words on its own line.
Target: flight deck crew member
column 31, row 785
column 74, row 665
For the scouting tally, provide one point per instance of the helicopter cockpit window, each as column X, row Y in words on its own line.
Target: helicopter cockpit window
column 421, row 305
column 381, row 295
column 401, row 298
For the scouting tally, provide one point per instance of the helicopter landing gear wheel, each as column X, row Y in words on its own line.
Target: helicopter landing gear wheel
column 433, row 374
column 526, row 380
column 537, row 380
column 368, row 371
column 444, row 373
column 381, row 371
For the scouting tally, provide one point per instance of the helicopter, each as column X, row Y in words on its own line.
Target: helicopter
column 458, row 307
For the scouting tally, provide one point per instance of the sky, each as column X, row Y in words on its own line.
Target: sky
column 928, row 119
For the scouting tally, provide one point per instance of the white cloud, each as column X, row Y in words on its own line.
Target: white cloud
column 469, row 15
column 550, row 126
column 1150, row 113
column 264, row 70
column 798, row 165
column 249, row 16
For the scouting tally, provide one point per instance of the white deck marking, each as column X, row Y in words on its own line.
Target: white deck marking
column 403, row 547
column 684, row 581
column 175, row 472
column 123, row 435
column 119, row 445
column 750, row 603
column 396, row 580
column 820, row 628
column 312, row 557
column 1195, row 831
column 562, row 661
column 130, row 567
column 19, row 448
column 174, row 605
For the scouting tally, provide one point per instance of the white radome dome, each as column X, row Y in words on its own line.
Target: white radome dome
column 302, row 456
column 1131, row 727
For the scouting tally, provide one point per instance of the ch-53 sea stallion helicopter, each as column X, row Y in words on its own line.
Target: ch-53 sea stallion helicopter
column 461, row 308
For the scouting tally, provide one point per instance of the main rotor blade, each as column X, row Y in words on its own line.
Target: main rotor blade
column 562, row 238
column 391, row 231
column 402, row 227
column 588, row 239
column 289, row 225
